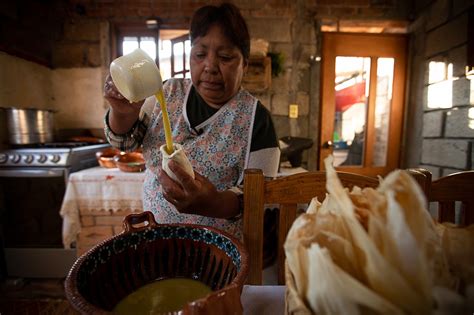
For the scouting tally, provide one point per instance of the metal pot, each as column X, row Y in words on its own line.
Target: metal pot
column 29, row 125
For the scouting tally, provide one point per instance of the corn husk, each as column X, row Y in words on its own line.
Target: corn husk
column 382, row 276
column 458, row 245
column 179, row 156
column 335, row 290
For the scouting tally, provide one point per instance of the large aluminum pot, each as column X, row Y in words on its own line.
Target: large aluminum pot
column 29, row 125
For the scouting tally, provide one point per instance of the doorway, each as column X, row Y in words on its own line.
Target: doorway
column 363, row 87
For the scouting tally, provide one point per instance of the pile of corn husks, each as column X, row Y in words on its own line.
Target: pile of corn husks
column 372, row 251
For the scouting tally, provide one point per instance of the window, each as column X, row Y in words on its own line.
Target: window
column 169, row 48
column 180, row 51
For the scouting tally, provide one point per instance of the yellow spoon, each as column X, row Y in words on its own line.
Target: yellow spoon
column 166, row 122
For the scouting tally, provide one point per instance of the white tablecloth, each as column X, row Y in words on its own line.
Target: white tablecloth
column 98, row 189
column 263, row 299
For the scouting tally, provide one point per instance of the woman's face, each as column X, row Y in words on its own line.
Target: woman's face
column 217, row 67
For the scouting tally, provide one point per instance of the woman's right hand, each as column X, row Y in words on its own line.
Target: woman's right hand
column 117, row 101
column 123, row 114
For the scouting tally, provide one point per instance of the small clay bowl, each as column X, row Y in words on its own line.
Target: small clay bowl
column 106, row 157
column 130, row 161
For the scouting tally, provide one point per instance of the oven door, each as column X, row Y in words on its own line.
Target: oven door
column 30, row 224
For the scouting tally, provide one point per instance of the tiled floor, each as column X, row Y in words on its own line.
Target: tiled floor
column 20, row 296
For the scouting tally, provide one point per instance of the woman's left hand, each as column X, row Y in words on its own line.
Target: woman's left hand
column 196, row 195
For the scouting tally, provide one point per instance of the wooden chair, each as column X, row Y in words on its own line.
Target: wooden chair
column 423, row 178
column 447, row 190
column 287, row 192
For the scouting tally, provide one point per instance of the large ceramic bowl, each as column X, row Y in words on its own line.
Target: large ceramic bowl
column 147, row 251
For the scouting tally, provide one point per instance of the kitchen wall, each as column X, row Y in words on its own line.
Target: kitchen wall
column 75, row 93
column 440, row 120
column 22, row 84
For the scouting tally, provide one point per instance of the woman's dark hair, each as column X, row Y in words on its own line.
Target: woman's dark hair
column 228, row 17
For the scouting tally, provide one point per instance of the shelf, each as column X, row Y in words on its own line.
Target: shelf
column 258, row 78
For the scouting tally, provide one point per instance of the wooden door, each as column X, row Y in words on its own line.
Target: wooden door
column 363, row 86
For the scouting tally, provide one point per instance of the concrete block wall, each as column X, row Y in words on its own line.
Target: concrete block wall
column 448, row 127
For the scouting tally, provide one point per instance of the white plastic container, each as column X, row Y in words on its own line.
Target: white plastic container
column 136, row 75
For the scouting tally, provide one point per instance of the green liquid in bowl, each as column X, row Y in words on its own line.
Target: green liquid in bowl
column 162, row 296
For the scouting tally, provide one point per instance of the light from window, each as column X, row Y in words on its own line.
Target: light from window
column 187, row 49
column 436, row 72
column 165, row 59
column 129, row 44
column 149, row 46
column 440, row 88
column 470, row 117
column 471, row 92
column 178, row 57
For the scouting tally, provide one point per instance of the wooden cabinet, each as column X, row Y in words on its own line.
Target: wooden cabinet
column 258, row 78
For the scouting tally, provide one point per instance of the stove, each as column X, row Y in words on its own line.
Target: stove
column 72, row 155
column 33, row 181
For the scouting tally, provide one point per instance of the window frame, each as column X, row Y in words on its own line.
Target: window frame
column 135, row 29
column 176, row 40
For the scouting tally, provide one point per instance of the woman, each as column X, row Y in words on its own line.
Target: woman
column 223, row 128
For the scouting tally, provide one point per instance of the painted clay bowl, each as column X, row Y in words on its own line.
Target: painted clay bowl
column 130, row 161
column 146, row 251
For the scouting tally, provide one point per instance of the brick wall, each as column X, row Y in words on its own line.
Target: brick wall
column 447, row 132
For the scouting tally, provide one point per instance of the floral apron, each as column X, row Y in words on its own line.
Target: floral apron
column 219, row 151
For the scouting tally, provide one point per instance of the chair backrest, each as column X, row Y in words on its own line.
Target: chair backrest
column 287, row 192
column 423, row 178
column 449, row 189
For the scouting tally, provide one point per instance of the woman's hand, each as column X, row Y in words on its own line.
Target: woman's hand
column 123, row 114
column 197, row 196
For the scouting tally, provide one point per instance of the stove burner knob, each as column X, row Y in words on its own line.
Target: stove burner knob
column 15, row 158
column 55, row 158
column 3, row 158
column 42, row 158
column 28, row 158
